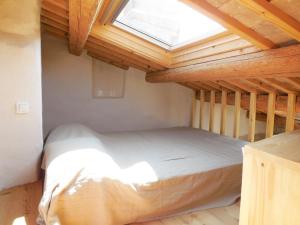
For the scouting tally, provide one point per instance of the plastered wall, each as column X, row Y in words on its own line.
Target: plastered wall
column 67, row 96
column 20, row 80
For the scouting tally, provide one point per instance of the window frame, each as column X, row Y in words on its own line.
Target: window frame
column 148, row 37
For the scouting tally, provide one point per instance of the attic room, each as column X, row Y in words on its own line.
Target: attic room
column 136, row 112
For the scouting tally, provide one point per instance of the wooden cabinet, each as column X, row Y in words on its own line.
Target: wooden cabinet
column 271, row 181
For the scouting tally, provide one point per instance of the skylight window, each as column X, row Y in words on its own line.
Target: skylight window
column 169, row 23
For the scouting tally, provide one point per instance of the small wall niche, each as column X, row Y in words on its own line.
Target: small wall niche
column 108, row 81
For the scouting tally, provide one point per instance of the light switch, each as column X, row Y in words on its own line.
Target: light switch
column 22, row 107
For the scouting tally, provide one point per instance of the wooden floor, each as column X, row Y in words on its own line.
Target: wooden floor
column 18, row 206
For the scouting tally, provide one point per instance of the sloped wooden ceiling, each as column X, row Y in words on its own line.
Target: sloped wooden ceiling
column 259, row 54
column 253, row 26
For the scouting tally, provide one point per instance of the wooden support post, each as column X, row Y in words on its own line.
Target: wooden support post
column 202, row 101
column 237, row 114
column 212, row 111
column 193, row 114
column 290, row 117
column 270, row 115
column 223, row 112
column 252, row 117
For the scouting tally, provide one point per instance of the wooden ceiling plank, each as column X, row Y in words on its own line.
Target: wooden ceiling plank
column 294, row 81
column 55, row 17
column 276, row 84
column 82, row 15
column 55, row 24
column 48, row 6
column 213, row 85
column 60, row 4
column 189, row 85
column 269, row 63
column 204, row 87
column 206, row 43
column 218, row 86
column 260, row 86
column 242, row 86
column 101, row 44
column 218, row 56
column 213, row 50
column 105, row 52
column 231, row 23
column 275, row 15
column 229, row 86
column 254, row 85
column 109, row 61
column 54, row 31
column 135, row 45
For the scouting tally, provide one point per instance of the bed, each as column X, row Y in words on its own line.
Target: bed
column 125, row 177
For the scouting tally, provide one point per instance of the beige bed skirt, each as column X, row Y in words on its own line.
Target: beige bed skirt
column 126, row 177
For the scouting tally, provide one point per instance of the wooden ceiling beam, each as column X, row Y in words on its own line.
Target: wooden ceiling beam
column 217, row 56
column 55, row 24
column 242, row 86
column 212, row 86
column 82, row 15
column 54, row 31
column 204, row 43
column 63, row 4
column 116, row 56
column 277, row 84
column 230, row 23
column 202, row 86
column 189, row 85
column 229, row 86
column 212, row 50
column 281, row 62
column 294, row 81
column 128, row 54
column 252, row 86
column 260, row 86
column 275, row 15
column 50, row 6
column 55, row 17
column 218, row 86
column 114, row 62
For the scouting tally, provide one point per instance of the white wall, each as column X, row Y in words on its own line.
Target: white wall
column 67, row 96
column 20, row 80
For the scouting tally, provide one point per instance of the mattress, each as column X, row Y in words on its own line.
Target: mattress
column 125, row 177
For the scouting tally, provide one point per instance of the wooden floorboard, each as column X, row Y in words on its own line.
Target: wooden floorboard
column 18, row 206
column 217, row 216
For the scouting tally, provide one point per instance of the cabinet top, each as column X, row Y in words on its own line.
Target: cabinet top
column 286, row 145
